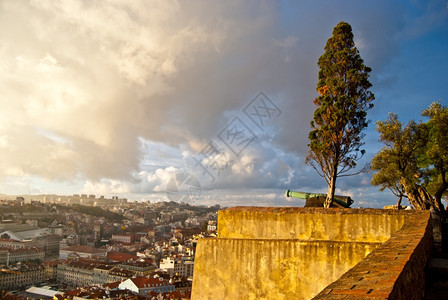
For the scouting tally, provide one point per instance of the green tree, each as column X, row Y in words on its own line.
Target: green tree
column 435, row 162
column 340, row 117
column 415, row 158
column 398, row 158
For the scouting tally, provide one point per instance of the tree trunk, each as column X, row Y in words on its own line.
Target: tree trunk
column 331, row 188
column 420, row 199
column 438, row 195
column 399, row 201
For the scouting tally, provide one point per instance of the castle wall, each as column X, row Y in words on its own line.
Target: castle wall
column 296, row 253
column 348, row 225
column 395, row 270
column 271, row 269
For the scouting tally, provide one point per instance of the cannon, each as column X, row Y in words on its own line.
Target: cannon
column 317, row 199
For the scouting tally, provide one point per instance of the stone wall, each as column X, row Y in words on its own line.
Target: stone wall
column 395, row 270
column 350, row 225
column 295, row 253
column 271, row 269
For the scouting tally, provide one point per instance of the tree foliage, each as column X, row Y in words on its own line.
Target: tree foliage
column 414, row 161
column 340, row 117
column 94, row 211
column 398, row 158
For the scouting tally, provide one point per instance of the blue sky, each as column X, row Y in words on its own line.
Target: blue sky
column 124, row 98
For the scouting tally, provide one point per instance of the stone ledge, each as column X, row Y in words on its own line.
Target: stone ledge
column 395, row 270
column 335, row 224
column 320, row 210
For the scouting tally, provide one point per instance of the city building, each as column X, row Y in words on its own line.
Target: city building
column 76, row 273
column 24, row 235
column 78, row 251
column 144, row 285
column 178, row 266
column 42, row 237
column 9, row 243
column 121, row 257
column 211, row 226
column 167, row 264
column 11, row 255
column 100, row 273
column 120, row 274
column 123, row 238
column 21, row 275
column 97, row 232
column 14, row 226
column 140, row 268
column 86, row 272
column 51, row 270
column 43, row 293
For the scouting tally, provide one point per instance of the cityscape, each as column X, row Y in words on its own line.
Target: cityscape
column 88, row 246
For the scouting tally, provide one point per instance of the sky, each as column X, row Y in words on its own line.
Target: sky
column 207, row 102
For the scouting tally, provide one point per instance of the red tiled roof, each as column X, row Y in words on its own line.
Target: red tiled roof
column 143, row 282
column 175, row 295
column 148, row 260
column 112, row 285
column 139, row 281
column 120, row 257
column 72, row 293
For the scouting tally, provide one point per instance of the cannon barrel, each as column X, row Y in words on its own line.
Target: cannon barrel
column 344, row 201
column 302, row 195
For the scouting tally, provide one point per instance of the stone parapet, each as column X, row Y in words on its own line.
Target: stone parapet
column 395, row 270
column 306, row 223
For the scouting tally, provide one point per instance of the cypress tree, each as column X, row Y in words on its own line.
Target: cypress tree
column 340, row 117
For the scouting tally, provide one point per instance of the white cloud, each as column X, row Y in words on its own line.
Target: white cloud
column 106, row 187
column 119, row 94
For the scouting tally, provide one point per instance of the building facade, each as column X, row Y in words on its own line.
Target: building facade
column 74, row 252
column 178, row 266
column 11, row 255
column 123, row 238
column 84, row 272
column 21, row 275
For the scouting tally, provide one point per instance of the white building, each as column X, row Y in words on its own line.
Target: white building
column 178, row 266
column 144, row 285
column 167, row 264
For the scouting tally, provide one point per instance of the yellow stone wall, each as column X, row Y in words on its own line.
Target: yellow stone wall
column 307, row 224
column 271, row 269
column 286, row 253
